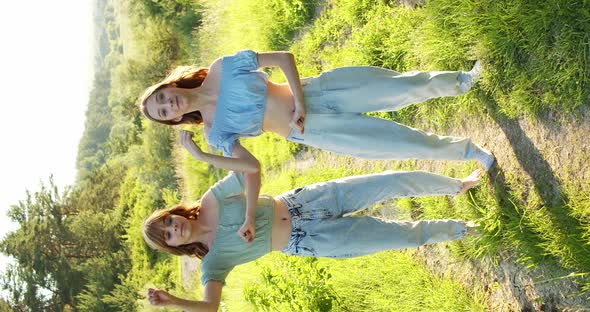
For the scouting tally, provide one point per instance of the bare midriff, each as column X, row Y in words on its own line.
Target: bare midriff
column 279, row 109
column 281, row 227
column 277, row 115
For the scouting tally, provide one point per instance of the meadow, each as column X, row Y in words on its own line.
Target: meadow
column 83, row 246
column 533, row 210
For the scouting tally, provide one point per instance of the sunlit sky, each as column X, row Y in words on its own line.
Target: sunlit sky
column 45, row 76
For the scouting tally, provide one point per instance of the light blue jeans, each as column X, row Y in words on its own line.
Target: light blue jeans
column 336, row 99
column 320, row 229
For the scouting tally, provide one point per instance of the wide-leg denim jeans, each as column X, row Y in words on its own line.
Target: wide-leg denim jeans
column 336, row 99
column 321, row 229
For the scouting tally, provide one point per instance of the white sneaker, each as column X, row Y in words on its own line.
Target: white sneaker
column 468, row 79
column 485, row 157
column 475, row 72
column 472, row 229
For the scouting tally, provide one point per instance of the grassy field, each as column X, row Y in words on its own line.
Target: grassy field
column 536, row 64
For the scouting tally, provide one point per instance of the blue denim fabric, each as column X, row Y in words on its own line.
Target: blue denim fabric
column 320, row 227
column 336, row 99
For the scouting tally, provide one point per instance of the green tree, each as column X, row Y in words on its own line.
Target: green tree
column 41, row 248
column 185, row 15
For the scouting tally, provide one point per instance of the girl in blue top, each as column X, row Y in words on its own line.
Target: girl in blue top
column 233, row 99
column 308, row 221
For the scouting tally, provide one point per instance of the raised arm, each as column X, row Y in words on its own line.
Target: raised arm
column 252, row 185
column 210, row 302
column 286, row 62
column 243, row 161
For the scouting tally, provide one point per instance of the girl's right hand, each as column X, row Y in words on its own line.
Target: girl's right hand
column 159, row 297
column 298, row 119
column 186, row 140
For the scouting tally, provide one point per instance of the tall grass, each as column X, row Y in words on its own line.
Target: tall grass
column 387, row 281
column 535, row 54
column 261, row 25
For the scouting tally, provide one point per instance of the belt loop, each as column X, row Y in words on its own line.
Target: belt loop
column 294, row 212
column 299, row 235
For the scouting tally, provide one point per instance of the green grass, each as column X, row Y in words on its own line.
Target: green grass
column 387, row 281
column 535, row 56
column 394, row 281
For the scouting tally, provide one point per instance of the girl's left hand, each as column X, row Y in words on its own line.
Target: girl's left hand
column 159, row 297
column 185, row 139
column 248, row 230
column 298, row 120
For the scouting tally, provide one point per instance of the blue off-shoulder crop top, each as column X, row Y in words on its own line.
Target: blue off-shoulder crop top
column 241, row 101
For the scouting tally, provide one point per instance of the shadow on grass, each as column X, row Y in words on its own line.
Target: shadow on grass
column 565, row 247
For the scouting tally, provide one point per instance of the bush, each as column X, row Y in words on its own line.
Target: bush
column 292, row 284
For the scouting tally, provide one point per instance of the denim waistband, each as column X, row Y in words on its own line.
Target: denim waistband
column 295, row 136
column 296, row 233
column 291, row 202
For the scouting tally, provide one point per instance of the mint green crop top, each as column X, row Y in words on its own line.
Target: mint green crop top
column 228, row 249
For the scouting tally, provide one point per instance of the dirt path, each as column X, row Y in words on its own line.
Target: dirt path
column 541, row 153
column 189, row 269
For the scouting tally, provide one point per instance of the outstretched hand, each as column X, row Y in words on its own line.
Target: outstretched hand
column 248, row 230
column 186, row 140
column 159, row 297
column 298, row 120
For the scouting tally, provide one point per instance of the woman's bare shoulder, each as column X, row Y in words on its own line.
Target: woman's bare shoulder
column 209, row 209
column 211, row 83
column 208, row 200
column 215, row 67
